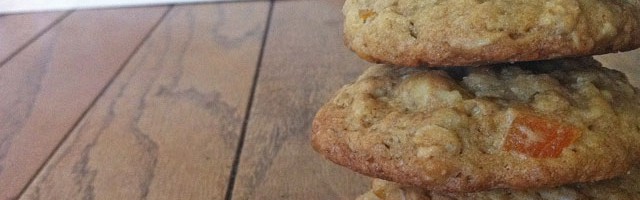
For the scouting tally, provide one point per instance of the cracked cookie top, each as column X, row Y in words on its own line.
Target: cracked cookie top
column 475, row 32
column 523, row 125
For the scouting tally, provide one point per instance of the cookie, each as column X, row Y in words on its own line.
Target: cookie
column 474, row 32
column 523, row 125
column 624, row 187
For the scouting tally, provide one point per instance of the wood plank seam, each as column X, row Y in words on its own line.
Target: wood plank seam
column 53, row 7
column 35, row 37
column 92, row 104
column 304, row 63
column 236, row 160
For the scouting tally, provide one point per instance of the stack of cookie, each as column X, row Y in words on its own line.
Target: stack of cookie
column 488, row 99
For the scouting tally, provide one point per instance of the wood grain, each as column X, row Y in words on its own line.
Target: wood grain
column 45, row 89
column 168, row 126
column 17, row 30
column 305, row 62
column 626, row 62
column 18, row 6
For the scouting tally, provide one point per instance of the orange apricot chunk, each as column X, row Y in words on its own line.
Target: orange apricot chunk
column 539, row 137
column 365, row 14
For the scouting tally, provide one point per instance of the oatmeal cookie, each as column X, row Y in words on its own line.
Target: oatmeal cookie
column 623, row 187
column 523, row 125
column 473, row 32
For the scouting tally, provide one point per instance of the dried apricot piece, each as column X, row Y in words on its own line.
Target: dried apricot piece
column 365, row 14
column 539, row 137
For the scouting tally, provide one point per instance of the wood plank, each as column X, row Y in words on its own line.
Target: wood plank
column 305, row 62
column 17, row 30
column 45, row 89
column 626, row 62
column 18, row 6
column 168, row 126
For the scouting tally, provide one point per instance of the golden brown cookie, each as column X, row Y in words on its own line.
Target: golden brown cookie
column 473, row 32
column 625, row 187
column 536, row 124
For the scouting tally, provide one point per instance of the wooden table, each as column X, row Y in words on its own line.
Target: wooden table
column 195, row 101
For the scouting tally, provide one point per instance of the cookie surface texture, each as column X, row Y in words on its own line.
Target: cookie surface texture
column 524, row 125
column 624, row 187
column 473, row 32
